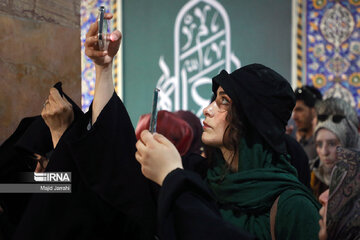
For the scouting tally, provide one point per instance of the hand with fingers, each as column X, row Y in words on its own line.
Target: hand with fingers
column 157, row 156
column 102, row 58
column 57, row 114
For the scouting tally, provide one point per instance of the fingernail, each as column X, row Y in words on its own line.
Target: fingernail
column 113, row 38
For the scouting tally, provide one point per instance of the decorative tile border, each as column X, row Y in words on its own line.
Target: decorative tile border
column 331, row 60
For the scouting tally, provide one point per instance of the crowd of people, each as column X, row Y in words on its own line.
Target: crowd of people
column 239, row 175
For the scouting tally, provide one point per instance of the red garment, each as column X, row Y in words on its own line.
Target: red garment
column 178, row 131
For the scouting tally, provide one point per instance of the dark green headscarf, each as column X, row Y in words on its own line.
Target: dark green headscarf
column 245, row 197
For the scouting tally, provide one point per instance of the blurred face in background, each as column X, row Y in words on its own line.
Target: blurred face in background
column 326, row 143
column 303, row 116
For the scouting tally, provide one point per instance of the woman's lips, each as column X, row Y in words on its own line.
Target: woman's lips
column 206, row 125
column 328, row 162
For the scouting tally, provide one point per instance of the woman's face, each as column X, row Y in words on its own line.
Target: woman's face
column 215, row 122
column 323, row 210
column 326, row 143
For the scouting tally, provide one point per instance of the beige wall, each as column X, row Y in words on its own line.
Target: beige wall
column 39, row 45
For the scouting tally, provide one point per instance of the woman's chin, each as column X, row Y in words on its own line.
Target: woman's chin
column 329, row 167
column 209, row 142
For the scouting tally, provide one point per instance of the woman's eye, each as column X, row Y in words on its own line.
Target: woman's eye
column 224, row 101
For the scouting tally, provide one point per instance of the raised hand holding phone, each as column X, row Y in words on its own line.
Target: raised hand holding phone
column 104, row 87
column 101, row 56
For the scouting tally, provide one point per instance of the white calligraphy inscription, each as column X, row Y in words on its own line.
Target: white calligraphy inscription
column 202, row 44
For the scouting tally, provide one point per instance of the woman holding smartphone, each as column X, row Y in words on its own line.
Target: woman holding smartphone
column 249, row 181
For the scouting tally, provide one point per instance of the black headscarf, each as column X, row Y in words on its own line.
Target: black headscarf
column 265, row 97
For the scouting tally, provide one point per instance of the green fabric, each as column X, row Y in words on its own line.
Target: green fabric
column 245, row 197
column 298, row 217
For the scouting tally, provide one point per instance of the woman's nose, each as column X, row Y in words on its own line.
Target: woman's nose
column 209, row 110
column 325, row 150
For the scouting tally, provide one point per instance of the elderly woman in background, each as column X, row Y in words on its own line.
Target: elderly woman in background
column 341, row 203
column 337, row 126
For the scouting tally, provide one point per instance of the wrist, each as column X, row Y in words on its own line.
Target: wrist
column 103, row 73
column 103, row 68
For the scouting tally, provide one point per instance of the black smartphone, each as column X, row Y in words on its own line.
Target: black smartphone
column 153, row 116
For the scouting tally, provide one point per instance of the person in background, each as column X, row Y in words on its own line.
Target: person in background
column 337, row 126
column 340, row 210
column 304, row 116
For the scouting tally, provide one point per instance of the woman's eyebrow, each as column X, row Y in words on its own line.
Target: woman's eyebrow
column 222, row 93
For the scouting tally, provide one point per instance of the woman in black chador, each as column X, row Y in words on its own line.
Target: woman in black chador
column 110, row 198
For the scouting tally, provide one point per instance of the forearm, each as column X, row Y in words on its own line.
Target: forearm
column 104, row 89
